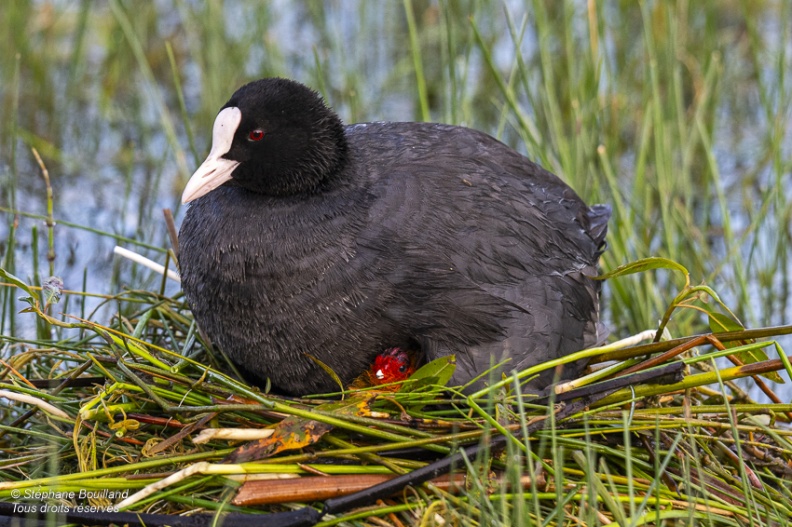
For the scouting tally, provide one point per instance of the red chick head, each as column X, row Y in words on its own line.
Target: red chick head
column 392, row 365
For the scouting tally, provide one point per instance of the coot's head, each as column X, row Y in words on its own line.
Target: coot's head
column 274, row 137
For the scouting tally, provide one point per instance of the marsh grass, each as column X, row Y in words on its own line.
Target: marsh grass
column 676, row 113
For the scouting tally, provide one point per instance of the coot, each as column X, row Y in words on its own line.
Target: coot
column 309, row 241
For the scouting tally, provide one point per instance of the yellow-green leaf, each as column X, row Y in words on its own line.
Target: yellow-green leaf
column 8, row 277
column 645, row 264
column 438, row 372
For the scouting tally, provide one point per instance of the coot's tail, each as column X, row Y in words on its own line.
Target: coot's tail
column 596, row 225
column 596, row 221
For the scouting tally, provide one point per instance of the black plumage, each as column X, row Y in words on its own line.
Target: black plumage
column 307, row 239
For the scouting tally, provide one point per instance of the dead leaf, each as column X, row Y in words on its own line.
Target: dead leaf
column 297, row 432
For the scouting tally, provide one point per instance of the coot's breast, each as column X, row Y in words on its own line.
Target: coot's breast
column 277, row 283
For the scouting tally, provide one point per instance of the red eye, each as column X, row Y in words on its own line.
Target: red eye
column 256, row 135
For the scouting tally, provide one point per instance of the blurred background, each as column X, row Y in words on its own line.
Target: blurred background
column 677, row 113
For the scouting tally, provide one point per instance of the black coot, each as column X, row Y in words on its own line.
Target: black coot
column 306, row 239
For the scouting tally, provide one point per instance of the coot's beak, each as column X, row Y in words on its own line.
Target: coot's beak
column 216, row 170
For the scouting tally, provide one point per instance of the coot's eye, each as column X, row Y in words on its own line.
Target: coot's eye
column 256, row 135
